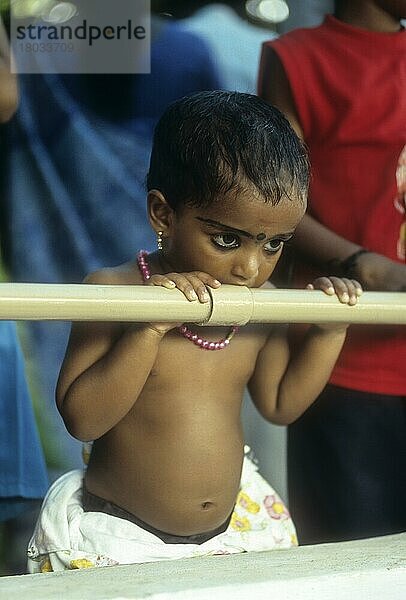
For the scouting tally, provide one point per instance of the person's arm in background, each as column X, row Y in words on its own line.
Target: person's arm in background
column 321, row 245
column 8, row 80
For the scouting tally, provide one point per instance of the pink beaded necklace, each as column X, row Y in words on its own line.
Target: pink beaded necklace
column 184, row 330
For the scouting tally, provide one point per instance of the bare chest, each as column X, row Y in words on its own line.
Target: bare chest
column 180, row 361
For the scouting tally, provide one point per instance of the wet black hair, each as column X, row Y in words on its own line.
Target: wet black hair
column 211, row 143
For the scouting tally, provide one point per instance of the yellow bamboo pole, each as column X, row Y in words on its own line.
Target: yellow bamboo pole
column 303, row 306
column 80, row 302
column 228, row 305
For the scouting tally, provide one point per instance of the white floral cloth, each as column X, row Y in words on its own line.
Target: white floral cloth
column 66, row 537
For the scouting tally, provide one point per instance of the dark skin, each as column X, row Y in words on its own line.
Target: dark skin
column 8, row 80
column 164, row 413
column 322, row 245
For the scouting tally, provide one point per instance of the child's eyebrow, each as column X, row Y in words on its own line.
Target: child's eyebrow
column 259, row 237
column 219, row 225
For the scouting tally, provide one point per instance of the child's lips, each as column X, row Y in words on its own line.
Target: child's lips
column 246, row 283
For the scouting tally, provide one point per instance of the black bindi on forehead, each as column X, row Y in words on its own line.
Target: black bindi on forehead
column 260, row 237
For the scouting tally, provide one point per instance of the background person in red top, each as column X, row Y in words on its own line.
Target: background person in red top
column 343, row 87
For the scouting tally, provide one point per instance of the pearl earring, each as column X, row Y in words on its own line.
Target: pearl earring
column 159, row 239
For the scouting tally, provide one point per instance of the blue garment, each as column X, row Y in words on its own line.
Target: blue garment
column 77, row 156
column 22, row 468
column 235, row 43
column 76, row 171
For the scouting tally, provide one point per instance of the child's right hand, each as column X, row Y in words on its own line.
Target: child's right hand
column 193, row 285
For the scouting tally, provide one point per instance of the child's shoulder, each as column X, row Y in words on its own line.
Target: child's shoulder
column 125, row 274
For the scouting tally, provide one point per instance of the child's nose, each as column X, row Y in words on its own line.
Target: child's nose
column 247, row 266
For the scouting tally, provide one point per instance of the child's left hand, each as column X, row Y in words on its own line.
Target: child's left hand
column 346, row 290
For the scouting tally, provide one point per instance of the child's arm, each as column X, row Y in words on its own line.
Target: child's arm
column 102, row 376
column 107, row 364
column 105, row 368
column 282, row 386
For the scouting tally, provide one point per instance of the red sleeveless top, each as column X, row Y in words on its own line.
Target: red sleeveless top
column 349, row 88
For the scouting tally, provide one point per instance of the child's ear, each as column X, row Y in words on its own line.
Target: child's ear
column 159, row 212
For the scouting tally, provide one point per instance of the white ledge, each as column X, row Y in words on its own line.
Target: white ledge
column 373, row 569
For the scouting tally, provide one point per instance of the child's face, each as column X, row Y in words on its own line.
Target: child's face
column 238, row 239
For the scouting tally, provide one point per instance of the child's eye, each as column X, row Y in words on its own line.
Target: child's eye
column 273, row 246
column 226, row 240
